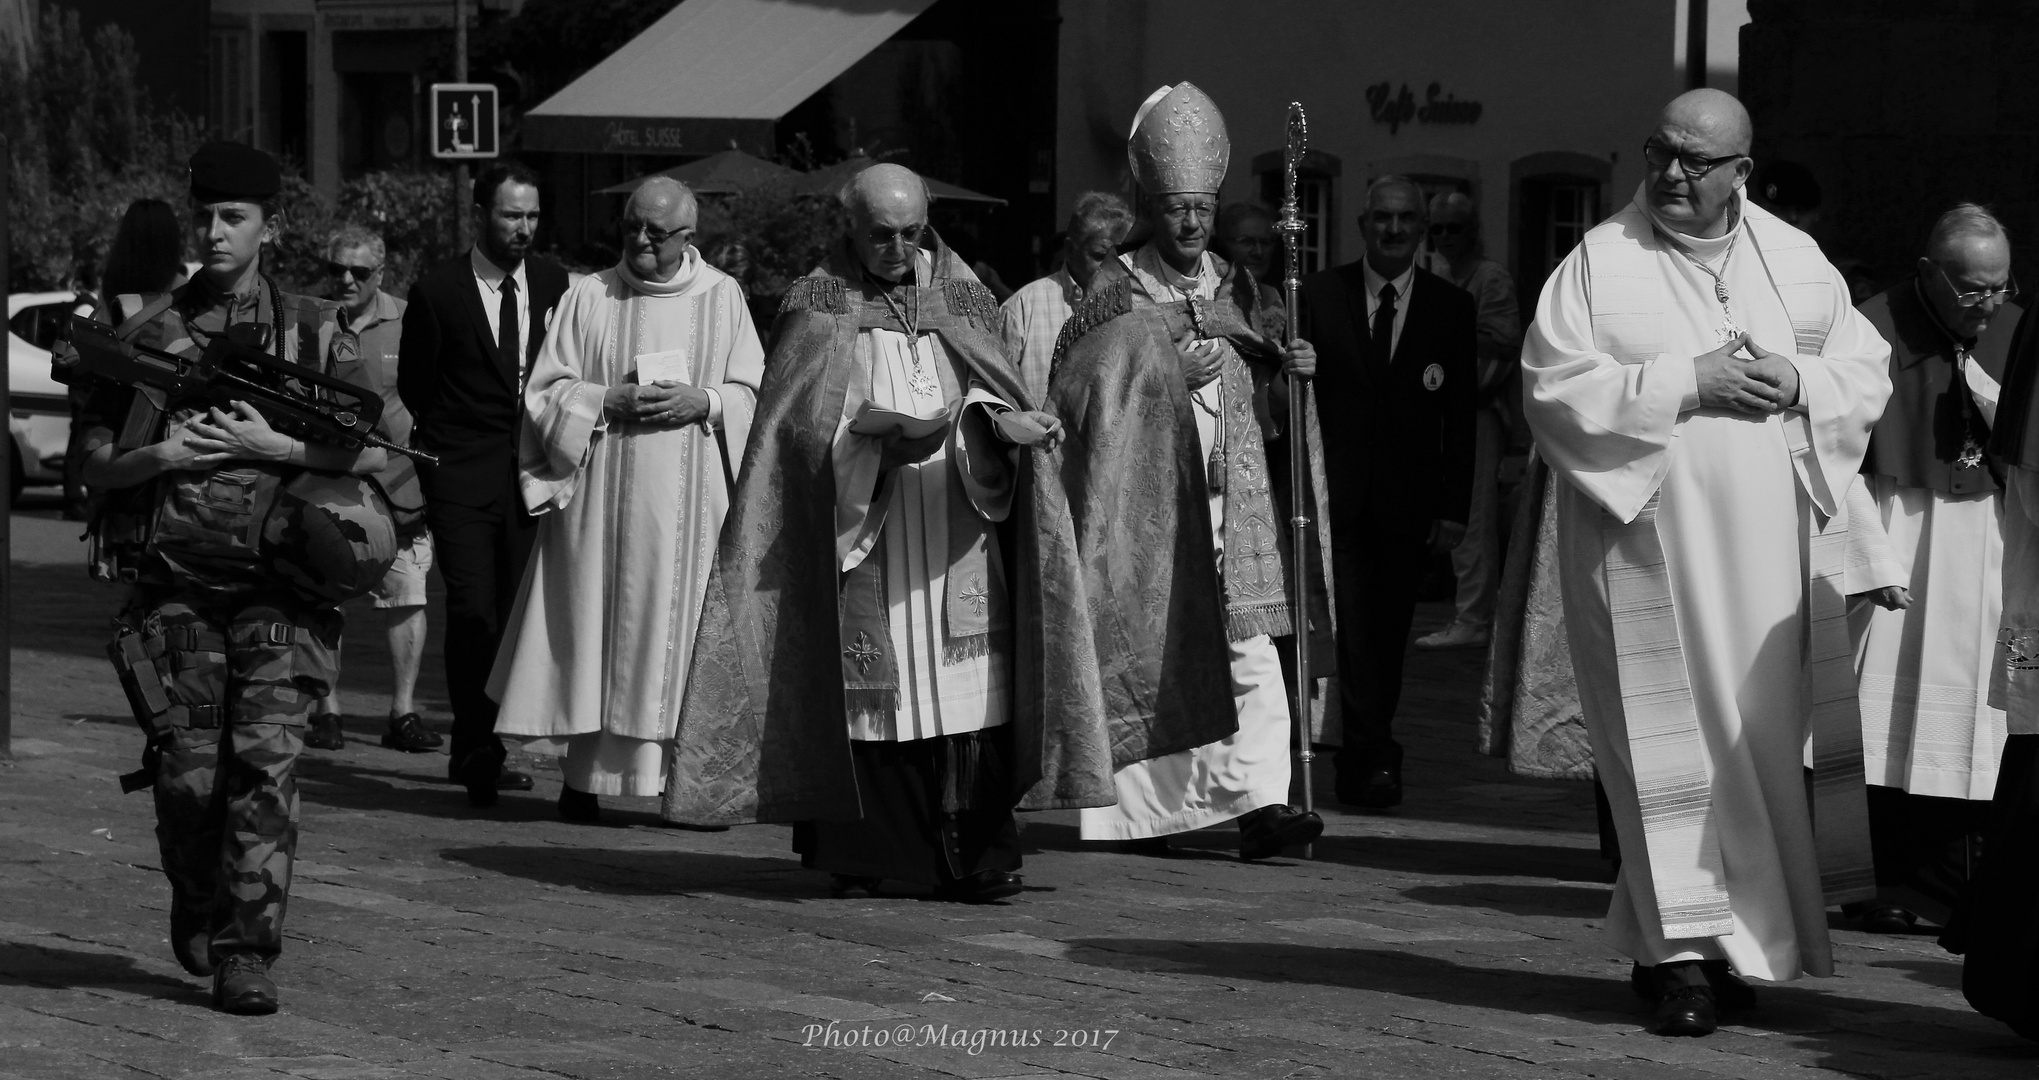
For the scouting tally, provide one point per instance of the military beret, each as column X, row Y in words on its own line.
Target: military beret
column 224, row 171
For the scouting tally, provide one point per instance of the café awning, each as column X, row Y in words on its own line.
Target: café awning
column 712, row 74
column 725, row 173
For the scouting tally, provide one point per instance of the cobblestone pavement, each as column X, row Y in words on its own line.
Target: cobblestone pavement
column 1456, row 937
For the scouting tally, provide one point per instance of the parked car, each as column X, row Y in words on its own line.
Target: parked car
column 39, row 412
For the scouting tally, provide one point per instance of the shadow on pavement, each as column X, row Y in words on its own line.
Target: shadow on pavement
column 1945, row 974
column 635, row 872
column 1515, row 899
column 1878, row 1043
column 1466, row 858
column 26, row 964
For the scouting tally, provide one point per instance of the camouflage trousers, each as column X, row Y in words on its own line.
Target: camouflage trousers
column 239, row 676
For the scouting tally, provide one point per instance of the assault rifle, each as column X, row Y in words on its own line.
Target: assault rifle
column 235, row 366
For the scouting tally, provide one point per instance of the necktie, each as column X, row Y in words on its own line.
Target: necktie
column 1380, row 347
column 509, row 342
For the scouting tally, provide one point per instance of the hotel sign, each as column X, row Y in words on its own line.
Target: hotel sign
column 1395, row 108
column 641, row 135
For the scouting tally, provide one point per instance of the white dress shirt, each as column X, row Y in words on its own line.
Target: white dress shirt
column 1373, row 300
column 488, row 280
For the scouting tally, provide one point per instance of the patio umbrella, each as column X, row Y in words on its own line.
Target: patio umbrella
column 830, row 179
column 725, row 173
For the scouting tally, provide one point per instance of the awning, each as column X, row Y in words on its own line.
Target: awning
column 725, row 173
column 713, row 74
column 830, row 178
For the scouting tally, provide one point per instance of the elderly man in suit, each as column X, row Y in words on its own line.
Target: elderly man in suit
column 1397, row 386
column 470, row 332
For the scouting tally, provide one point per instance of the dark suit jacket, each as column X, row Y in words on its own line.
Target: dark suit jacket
column 462, row 396
column 1398, row 454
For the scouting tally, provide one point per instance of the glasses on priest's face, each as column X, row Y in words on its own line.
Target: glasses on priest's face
column 1695, row 167
column 654, row 236
column 1977, row 298
column 342, row 271
column 882, row 238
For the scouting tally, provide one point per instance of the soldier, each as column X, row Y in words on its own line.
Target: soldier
column 229, row 632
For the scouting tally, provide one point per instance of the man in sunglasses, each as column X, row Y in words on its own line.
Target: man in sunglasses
column 354, row 262
column 1697, row 377
column 1930, row 738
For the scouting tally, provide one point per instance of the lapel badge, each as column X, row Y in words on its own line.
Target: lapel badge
column 1433, row 376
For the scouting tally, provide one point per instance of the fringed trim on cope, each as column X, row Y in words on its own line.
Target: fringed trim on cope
column 1092, row 312
column 871, row 703
column 1248, row 622
column 823, row 294
column 955, row 650
column 972, row 300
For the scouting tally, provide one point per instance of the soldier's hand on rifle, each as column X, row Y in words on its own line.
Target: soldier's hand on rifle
column 243, row 435
column 1300, row 359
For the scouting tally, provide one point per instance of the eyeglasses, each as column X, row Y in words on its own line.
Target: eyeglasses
column 1447, row 228
column 883, row 238
column 358, row 273
column 1980, row 297
column 1660, row 158
column 655, row 237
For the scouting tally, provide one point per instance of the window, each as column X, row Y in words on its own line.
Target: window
column 1555, row 198
column 232, row 101
column 1316, row 204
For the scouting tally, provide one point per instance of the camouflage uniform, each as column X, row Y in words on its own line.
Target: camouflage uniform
column 222, row 656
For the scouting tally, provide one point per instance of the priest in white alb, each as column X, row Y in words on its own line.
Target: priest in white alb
column 1704, row 393
column 637, row 411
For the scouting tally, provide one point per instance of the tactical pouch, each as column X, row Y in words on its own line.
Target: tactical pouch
column 208, row 525
column 131, row 654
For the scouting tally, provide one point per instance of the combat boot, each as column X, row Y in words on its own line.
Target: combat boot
column 242, row 985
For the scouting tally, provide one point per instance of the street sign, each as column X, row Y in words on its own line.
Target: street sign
column 464, row 121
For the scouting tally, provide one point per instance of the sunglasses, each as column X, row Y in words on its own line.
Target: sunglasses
column 653, row 236
column 358, row 273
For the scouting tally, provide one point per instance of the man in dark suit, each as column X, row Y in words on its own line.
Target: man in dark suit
column 1397, row 394
column 470, row 333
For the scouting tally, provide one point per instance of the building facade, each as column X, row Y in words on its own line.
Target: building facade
column 1536, row 109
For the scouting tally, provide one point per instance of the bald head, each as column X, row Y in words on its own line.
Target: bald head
column 887, row 207
column 1711, row 114
column 662, row 202
column 1697, row 159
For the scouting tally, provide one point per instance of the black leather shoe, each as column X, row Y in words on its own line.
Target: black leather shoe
column 324, row 733
column 1888, row 919
column 981, row 888
column 1154, row 847
column 1686, row 1012
column 1266, row 831
column 191, row 940
column 853, row 886
column 1731, row 993
column 409, row 734
column 579, row 807
column 1371, row 778
column 242, row 986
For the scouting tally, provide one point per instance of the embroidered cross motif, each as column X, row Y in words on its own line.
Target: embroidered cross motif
column 862, row 653
column 975, row 594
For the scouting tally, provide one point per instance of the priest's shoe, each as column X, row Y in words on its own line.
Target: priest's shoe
column 1371, row 778
column 191, row 939
column 1731, row 993
column 242, row 986
column 981, row 888
column 323, row 733
column 579, row 807
column 1686, row 1011
column 1265, row 832
column 1155, row 847
column 409, row 734
column 853, row 886
column 1888, row 919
